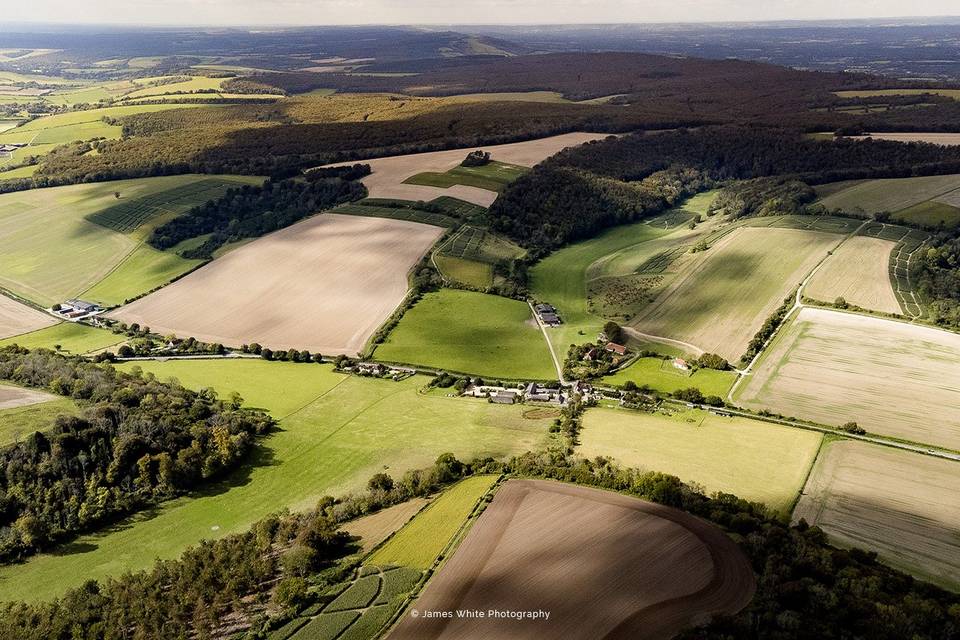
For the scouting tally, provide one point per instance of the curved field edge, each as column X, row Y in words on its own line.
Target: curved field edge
column 725, row 584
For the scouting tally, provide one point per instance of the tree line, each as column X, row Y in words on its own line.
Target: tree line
column 251, row 211
column 136, row 441
column 937, row 278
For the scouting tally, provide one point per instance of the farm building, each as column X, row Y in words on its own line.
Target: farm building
column 590, row 355
column 618, row 349
column 73, row 309
column 7, row 150
column 681, row 364
column 370, row 368
column 505, row 397
column 548, row 314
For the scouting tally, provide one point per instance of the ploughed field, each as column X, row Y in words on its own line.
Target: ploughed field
column 755, row 460
column 602, row 564
column 723, row 295
column 859, row 272
column 17, row 318
column 902, row 505
column 324, row 284
column 892, row 378
column 335, row 432
column 388, row 176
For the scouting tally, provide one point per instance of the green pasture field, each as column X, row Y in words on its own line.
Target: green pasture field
column 757, row 461
column 470, row 332
column 194, row 84
column 930, row 214
column 72, row 337
column 420, row 542
column 18, row 422
column 460, row 208
column 561, row 278
column 894, row 195
column 663, row 376
column 345, row 430
column 468, row 272
column 492, row 176
column 19, row 172
column 53, row 251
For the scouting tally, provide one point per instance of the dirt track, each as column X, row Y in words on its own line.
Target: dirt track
column 324, row 284
column 604, row 565
column 386, row 180
column 17, row 318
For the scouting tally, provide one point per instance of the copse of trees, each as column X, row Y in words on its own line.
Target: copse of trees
column 135, row 442
column 250, row 211
column 937, row 278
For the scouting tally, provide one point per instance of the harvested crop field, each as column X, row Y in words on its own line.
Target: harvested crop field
column 650, row 571
column 755, row 460
column 324, row 284
column 388, row 175
column 933, row 137
column 17, row 318
column 377, row 527
column 892, row 378
column 858, row 272
column 12, row 397
column 889, row 194
column 902, row 505
column 724, row 295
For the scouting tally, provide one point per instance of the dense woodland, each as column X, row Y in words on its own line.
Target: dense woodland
column 250, row 211
column 582, row 190
column 136, row 441
column 937, row 278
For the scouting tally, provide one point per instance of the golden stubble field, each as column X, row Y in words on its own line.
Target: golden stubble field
column 17, row 318
column 892, row 378
column 723, row 295
column 903, row 505
column 324, row 284
column 388, row 174
column 635, row 569
column 859, row 272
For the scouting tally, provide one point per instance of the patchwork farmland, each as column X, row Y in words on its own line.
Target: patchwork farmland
column 723, row 295
column 335, row 432
column 904, row 506
column 389, row 175
column 651, row 571
column 754, row 460
column 356, row 268
column 92, row 259
column 859, row 272
column 471, row 254
column 924, row 200
column 889, row 377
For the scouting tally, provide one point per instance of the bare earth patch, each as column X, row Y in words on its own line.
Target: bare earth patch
column 17, row 318
column 902, row 505
column 858, row 272
column 722, row 296
column 12, row 397
column 377, row 527
column 388, row 174
column 602, row 564
column 890, row 377
column 324, row 284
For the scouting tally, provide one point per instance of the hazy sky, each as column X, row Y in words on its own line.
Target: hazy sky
column 320, row 12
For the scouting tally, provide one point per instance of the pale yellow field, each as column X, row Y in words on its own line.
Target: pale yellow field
column 724, row 295
column 17, row 318
column 858, row 272
column 324, row 284
column 890, row 377
column 903, row 505
column 932, row 137
column 377, row 527
column 388, row 174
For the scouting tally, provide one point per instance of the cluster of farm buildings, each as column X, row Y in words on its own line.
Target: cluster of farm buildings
column 7, row 150
column 76, row 309
column 548, row 315
column 530, row 392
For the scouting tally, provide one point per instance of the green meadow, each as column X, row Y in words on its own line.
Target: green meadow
column 335, row 432
column 473, row 333
column 73, row 338
column 18, row 422
column 663, row 376
column 492, row 176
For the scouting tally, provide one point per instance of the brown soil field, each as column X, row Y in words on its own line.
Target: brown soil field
column 388, row 174
column 12, row 397
column 377, row 527
column 903, row 505
column 603, row 565
column 721, row 297
column 324, row 284
column 858, row 272
column 17, row 318
column 932, row 137
column 890, row 377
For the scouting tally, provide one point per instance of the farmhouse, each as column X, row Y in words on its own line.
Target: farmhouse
column 370, row 369
column 681, row 364
column 537, row 393
column 7, row 150
column 618, row 349
column 74, row 308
